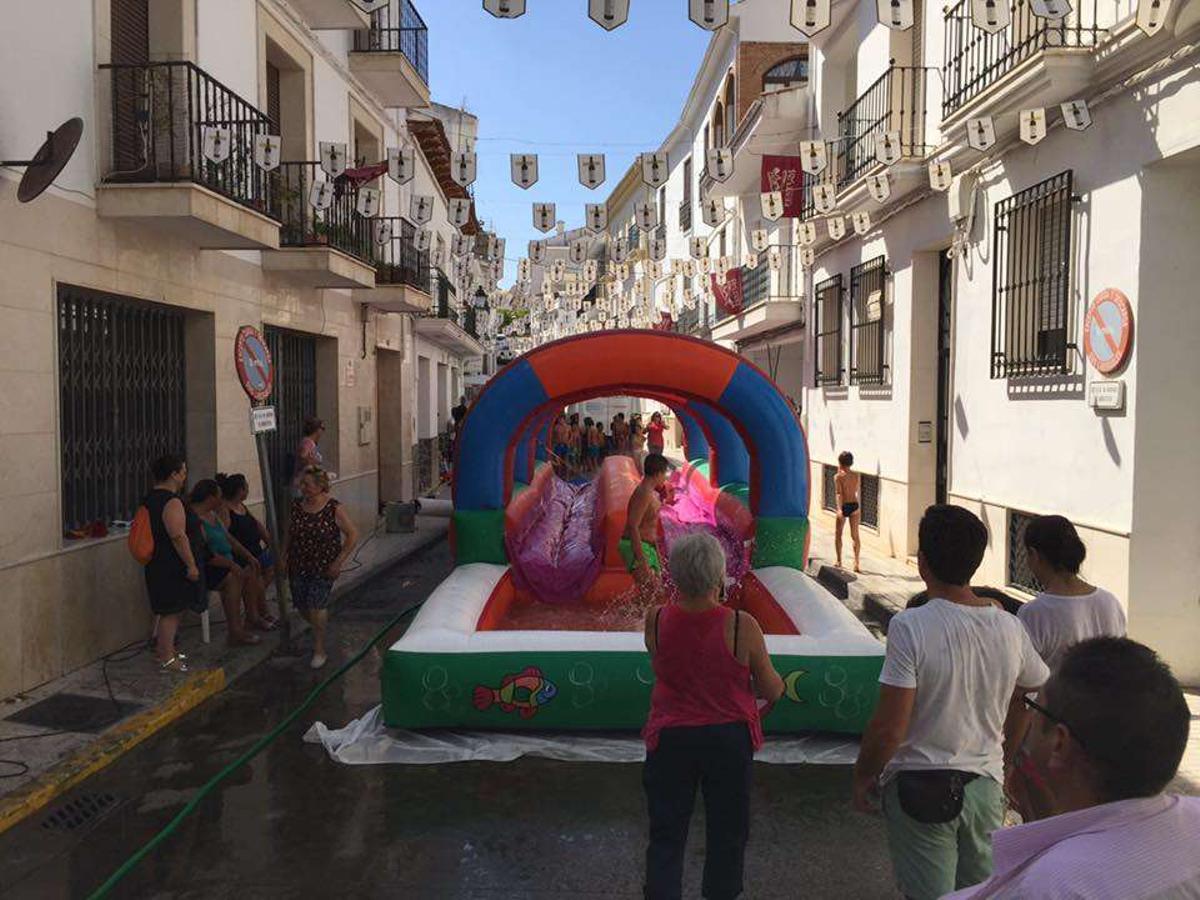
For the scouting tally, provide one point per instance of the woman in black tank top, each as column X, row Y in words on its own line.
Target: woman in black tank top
column 173, row 574
column 249, row 532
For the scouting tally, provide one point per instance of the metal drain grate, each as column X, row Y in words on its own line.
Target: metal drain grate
column 80, row 811
column 74, row 712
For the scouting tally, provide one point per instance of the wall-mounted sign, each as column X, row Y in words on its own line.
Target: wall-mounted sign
column 1108, row 331
column 1106, row 395
column 253, row 362
column 924, row 432
column 262, row 419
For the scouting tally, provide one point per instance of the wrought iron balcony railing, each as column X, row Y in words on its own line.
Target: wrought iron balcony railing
column 160, row 112
column 398, row 261
column 339, row 226
column 894, row 103
column 397, row 28
column 975, row 59
column 808, row 207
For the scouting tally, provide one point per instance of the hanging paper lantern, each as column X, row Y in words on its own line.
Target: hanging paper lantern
column 333, row 158
column 402, row 164
column 266, row 151
column 591, row 170
column 709, row 14
column 608, row 14
column 1033, row 125
column 992, row 16
column 463, row 168
column 879, row 186
column 1076, row 115
column 524, row 169
column 981, row 133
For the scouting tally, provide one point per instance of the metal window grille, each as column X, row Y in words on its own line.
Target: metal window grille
column 975, row 59
column 294, row 397
column 340, row 226
column 828, row 487
column 1019, row 574
column 869, row 500
column 867, row 284
column 756, row 282
column 1031, row 280
column 398, row 261
column 122, row 399
column 445, row 295
column 274, row 99
column 785, row 74
column 397, row 28
column 159, row 115
column 895, row 102
column 829, row 330
column 424, row 455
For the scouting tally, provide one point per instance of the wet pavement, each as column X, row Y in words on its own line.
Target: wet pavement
column 293, row 823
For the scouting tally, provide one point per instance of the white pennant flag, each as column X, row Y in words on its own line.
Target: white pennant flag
column 655, row 169
column 524, row 169
column 608, row 14
column 807, row 233
column 420, row 208
column 719, row 164
column 591, row 170
column 772, row 205
column 1076, row 115
column 333, row 158
column 981, row 133
column 367, row 202
column 1054, row 10
column 814, row 157
column 759, row 239
column 463, row 168
column 861, row 221
column 837, row 227
column 887, row 148
column 940, row 175
column 460, row 211
column 810, row 16
column 895, row 14
column 879, row 186
column 544, row 216
column 266, row 151
column 216, row 143
column 991, row 16
column 596, row 216
column 824, row 198
column 1033, row 125
column 383, row 231
column 709, row 14
column 320, row 195
column 402, row 164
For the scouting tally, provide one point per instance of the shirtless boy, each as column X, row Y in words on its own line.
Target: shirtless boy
column 846, row 485
column 639, row 545
column 562, row 444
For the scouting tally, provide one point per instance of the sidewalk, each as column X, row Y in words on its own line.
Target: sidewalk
column 881, row 590
column 51, row 761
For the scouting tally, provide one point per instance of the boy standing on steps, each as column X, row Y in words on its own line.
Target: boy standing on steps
column 847, row 486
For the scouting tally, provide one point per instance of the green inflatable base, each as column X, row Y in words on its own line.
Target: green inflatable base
column 780, row 541
column 479, row 536
column 601, row 690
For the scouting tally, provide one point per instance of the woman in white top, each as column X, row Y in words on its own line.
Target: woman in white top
column 1068, row 609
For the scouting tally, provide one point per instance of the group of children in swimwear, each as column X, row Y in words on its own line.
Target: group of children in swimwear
column 579, row 447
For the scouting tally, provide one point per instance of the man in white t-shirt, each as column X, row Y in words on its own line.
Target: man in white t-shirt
column 950, row 704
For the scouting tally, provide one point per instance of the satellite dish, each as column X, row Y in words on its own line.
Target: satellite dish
column 49, row 161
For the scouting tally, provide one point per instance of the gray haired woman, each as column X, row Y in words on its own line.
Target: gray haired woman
column 709, row 662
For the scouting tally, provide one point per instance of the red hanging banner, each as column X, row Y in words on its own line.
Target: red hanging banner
column 729, row 296
column 783, row 174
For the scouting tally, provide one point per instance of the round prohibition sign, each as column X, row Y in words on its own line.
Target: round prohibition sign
column 253, row 361
column 1108, row 331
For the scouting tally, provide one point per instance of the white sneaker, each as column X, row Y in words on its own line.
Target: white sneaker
column 318, row 661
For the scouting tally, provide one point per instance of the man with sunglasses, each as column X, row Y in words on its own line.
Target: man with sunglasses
column 949, row 705
column 1108, row 731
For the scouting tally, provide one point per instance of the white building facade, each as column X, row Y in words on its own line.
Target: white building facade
column 947, row 341
column 127, row 280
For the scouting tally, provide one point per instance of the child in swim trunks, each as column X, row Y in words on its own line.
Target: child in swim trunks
column 847, row 485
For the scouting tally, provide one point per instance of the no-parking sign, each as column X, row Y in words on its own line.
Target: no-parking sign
column 1108, row 331
column 253, row 361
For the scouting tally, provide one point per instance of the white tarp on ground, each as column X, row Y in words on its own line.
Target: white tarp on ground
column 366, row 741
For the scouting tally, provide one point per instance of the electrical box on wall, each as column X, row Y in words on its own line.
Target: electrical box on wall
column 365, row 420
column 962, row 197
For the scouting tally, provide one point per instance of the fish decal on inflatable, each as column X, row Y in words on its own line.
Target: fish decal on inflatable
column 526, row 692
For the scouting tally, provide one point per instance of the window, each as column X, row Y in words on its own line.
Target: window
column 866, row 322
column 868, row 494
column 730, row 107
column 294, row 397
column 122, row 399
column 685, row 205
column 828, row 487
column 829, row 330
column 718, row 125
column 1031, row 280
column 662, row 209
column 1018, row 572
column 273, row 98
column 789, row 73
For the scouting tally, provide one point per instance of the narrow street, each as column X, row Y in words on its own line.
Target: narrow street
column 294, row 823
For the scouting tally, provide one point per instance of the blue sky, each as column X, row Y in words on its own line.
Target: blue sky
column 556, row 84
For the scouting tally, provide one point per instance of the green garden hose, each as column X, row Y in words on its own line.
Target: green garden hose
column 259, row 745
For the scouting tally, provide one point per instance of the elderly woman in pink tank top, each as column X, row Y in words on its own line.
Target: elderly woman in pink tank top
column 710, row 663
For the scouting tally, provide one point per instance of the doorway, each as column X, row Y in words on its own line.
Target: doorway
column 393, row 479
column 945, row 303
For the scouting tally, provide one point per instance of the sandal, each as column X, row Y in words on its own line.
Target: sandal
column 175, row 664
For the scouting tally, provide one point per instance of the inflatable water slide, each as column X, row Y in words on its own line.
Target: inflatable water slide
column 538, row 626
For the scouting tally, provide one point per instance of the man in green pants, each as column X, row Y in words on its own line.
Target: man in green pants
column 638, row 546
column 950, row 714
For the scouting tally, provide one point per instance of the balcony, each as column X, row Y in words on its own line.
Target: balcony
column 442, row 326
column 685, row 214
column 402, row 273
column 767, row 305
column 808, row 206
column 329, row 248
column 331, row 15
column 156, row 173
column 1033, row 62
column 392, row 56
column 769, row 127
column 895, row 102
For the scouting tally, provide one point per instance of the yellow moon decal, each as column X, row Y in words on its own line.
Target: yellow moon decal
column 789, row 685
